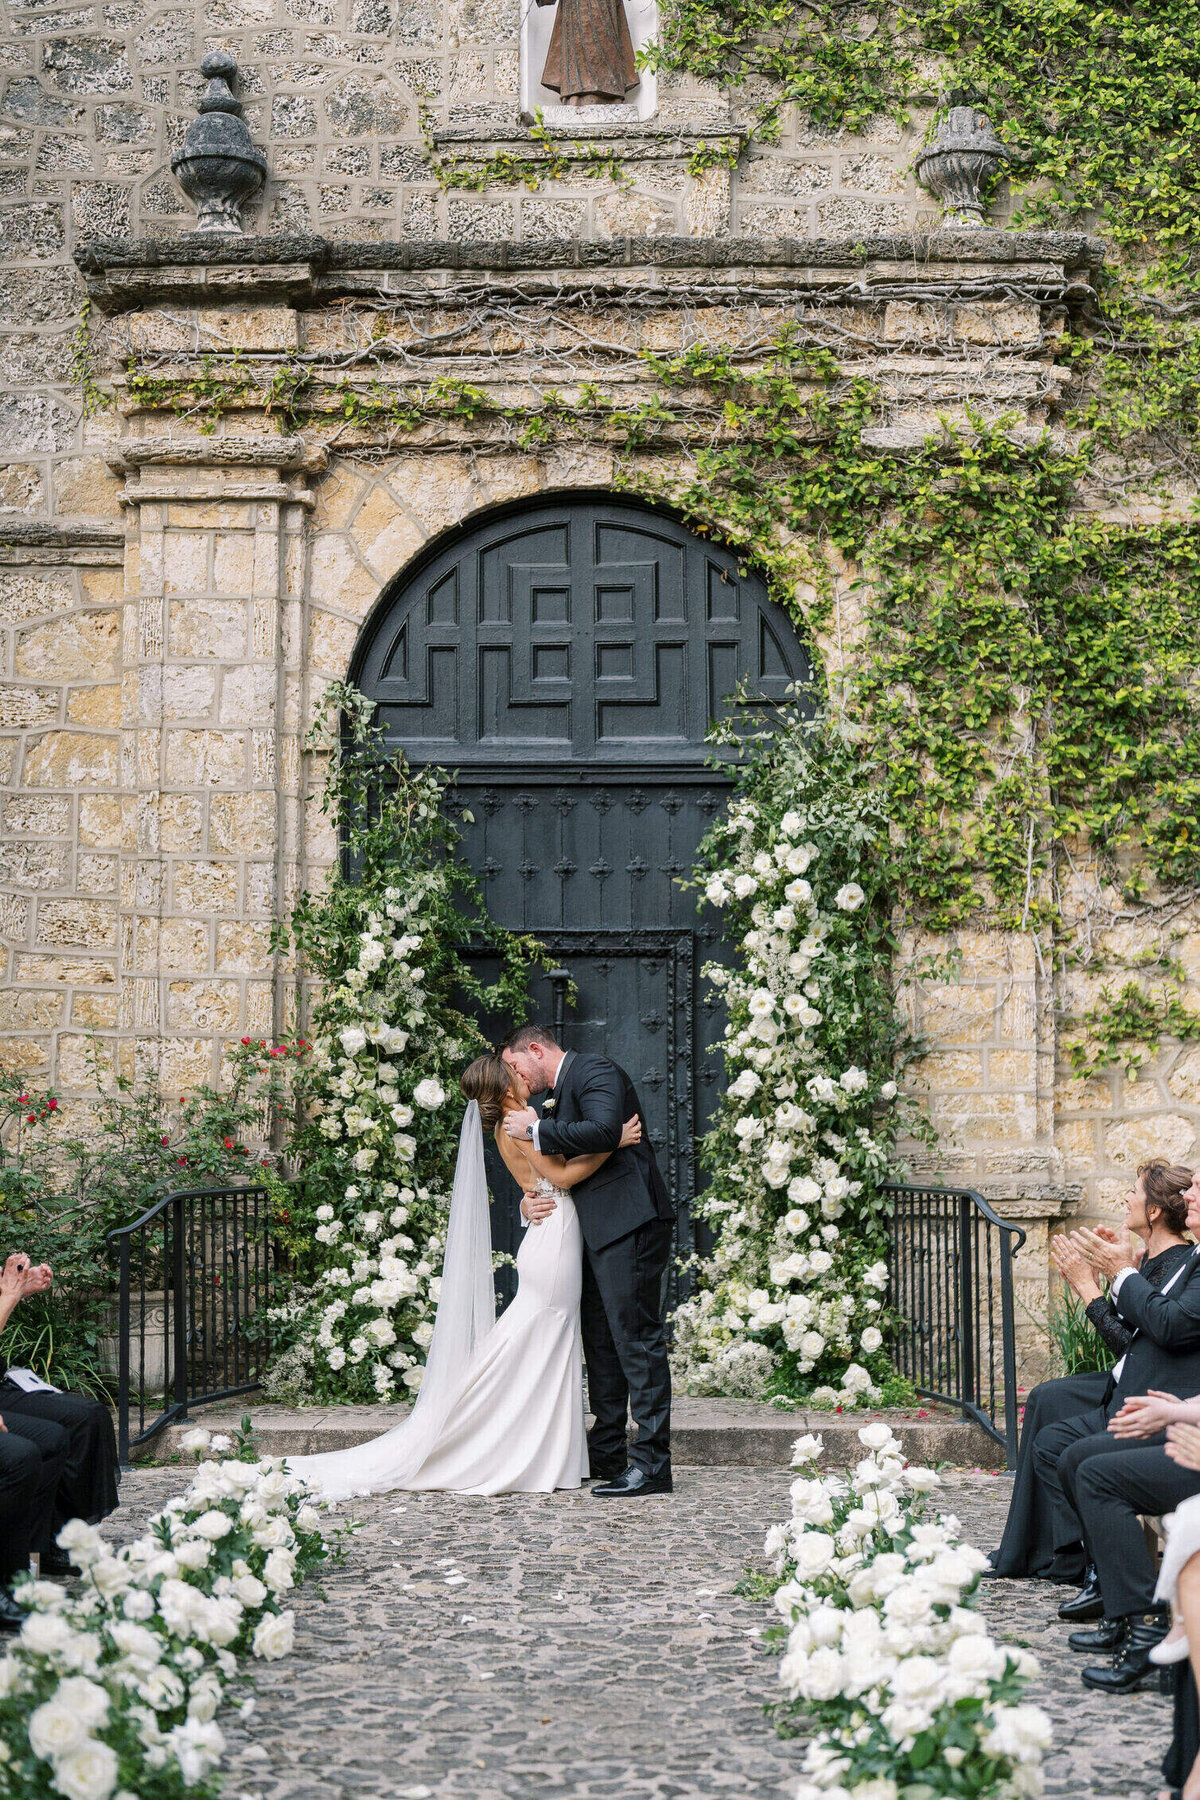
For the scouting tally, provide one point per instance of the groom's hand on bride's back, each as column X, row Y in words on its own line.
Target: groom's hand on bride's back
column 536, row 1207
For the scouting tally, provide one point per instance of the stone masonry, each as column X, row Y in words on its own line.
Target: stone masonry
column 180, row 579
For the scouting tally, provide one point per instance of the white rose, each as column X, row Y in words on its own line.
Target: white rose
column 825, row 1674
column 888, row 1091
column 195, row 1440
column 308, row 1519
column 55, row 1728
column 353, row 1039
column 876, row 1437
column 849, row 897
column 808, row 1448
column 1022, row 1732
column 871, row 1339
column 249, row 1590
column 277, row 1571
column 744, row 885
column 87, row 1772
column 212, row 1525
column 429, row 1093
column 716, row 891
column 193, row 1553
column 274, row 1635
column 812, row 1552
column 922, row 1481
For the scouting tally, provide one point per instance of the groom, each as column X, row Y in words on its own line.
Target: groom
column 626, row 1218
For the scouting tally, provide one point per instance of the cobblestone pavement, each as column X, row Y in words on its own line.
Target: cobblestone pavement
column 567, row 1648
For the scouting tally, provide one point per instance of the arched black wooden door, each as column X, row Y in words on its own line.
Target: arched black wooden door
column 566, row 658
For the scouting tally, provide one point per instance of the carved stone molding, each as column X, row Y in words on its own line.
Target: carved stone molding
column 229, row 466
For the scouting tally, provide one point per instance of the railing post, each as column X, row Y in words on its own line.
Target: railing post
column 966, row 1305
column 1009, row 1335
column 123, row 1357
column 180, row 1315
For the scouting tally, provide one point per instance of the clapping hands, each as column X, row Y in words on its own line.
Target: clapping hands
column 20, row 1277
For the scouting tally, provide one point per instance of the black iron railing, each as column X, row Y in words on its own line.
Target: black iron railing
column 954, row 1336
column 192, row 1319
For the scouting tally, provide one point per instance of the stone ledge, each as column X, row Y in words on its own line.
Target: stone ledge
column 705, row 1433
column 122, row 274
column 52, row 543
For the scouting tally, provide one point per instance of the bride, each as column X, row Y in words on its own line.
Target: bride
column 500, row 1409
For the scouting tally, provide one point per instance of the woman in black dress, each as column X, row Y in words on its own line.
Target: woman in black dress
column 1155, row 1211
column 87, row 1473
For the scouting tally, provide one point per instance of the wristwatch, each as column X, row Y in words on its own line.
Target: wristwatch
column 529, row 1132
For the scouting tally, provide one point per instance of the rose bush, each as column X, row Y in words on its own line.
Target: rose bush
column 791, row 1297
column 886, row 1656
column 114, row 1691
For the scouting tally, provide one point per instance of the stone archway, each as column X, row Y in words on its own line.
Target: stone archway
column 565, row 656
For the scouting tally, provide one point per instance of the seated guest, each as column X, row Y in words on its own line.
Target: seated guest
column 86, row 1486
column 1105, row 1468
column 31, row 1468
column 1155, row 1211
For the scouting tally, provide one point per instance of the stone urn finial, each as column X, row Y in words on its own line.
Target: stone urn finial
column 960, row 163
column 218, row 167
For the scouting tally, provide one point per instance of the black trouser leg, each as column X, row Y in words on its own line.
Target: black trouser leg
column 1027, row 1547
column 20, row 1483
column 629, row 1276
column 88, row 1488
column 608, row 1390
column 1051, row 1442
column 1112, row 1487
column 38, row 1449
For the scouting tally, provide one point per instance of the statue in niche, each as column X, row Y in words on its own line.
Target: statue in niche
column 590, row 61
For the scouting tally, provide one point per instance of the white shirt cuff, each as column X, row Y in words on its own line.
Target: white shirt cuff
column 1118, row 1278
column 536, row 1128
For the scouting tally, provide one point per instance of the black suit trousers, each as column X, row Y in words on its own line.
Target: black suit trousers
column 88, row 1486
column 625, row 1344
column 33, row 1454
column 1103, row 1484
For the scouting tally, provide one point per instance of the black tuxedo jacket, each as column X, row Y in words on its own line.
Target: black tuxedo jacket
column 591, row 1103
column 1165, row 1352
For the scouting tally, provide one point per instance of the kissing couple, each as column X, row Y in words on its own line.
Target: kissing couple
column 500, row 1409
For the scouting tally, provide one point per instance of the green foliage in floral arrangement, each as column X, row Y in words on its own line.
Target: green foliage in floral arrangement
column 69, row 1176
column 790, row 1298
column 378, row 1117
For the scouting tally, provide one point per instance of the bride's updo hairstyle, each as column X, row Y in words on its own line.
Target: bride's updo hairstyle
column 488, row 1080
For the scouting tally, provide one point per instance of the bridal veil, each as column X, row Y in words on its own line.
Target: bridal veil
column 466, row 1313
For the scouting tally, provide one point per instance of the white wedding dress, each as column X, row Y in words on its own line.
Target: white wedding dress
column 500, row 1410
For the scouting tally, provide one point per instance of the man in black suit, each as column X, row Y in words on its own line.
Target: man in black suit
column 1101, row 1477
column 626, row 1218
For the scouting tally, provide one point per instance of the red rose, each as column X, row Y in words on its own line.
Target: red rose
column 165, row 1140
column 52, row 1105
column 32, row 1119
column 245, row 1040
column 228, row 1143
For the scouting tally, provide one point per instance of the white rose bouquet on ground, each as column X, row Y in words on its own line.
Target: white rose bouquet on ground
column 112, row 1693
column 885, row 1655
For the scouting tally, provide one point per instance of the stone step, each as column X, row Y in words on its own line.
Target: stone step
column 705, row 1433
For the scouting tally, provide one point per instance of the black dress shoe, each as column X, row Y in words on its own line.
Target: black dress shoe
column 635, row 1481
column 12, row 1616
column 1107, row 1636
column 1131, row 1666
column 56, row 1562
column 1087, row 1604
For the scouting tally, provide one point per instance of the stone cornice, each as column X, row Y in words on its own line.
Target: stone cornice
column 224, row 466
column 130, row 273
column 66, row 542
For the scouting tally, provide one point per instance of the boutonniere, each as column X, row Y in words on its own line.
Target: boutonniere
column 549, row 1105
